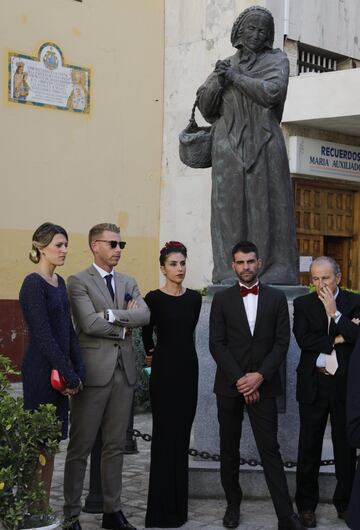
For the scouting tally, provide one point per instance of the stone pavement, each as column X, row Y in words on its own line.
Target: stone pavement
column 205, row 514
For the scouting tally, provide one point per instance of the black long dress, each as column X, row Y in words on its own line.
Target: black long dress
column 173, row 393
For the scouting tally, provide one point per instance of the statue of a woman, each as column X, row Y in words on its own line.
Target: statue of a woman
column 252, row 196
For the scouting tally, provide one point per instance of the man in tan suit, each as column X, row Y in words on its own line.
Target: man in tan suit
column 105, row 305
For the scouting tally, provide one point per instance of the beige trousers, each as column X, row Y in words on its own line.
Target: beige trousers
column 106, row 407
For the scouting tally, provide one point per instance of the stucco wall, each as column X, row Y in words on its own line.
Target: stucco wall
column 79, row 170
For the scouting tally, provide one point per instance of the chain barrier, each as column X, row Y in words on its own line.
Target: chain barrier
column 205, row 455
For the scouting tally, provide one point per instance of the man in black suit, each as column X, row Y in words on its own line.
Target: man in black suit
column 249, row 338
column 353, row 429
column 325, row 327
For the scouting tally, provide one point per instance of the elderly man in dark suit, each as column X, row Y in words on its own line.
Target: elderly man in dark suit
column 353, row 429
column 325, row 327
column 249, row 338
column 105, row 305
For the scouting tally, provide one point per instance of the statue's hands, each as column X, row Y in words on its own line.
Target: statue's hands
column 221, row 68
column 225, row 71
column 231, row 74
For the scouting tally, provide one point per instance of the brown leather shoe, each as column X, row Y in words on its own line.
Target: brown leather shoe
column 308, row 519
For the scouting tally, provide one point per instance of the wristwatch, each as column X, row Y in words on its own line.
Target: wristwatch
column 336, row 315
column 106, row 314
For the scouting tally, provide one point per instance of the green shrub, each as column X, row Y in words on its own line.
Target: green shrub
column 26, row 440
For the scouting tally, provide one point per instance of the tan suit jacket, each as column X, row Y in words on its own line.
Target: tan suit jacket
column 101, row 341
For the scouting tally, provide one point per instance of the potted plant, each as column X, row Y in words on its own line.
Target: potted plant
column 27, row 439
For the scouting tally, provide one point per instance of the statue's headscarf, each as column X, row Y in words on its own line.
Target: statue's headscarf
column 242, row 18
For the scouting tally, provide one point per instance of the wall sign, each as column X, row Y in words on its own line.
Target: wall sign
column 324, row 159
column 305, row 263
column 45, row 81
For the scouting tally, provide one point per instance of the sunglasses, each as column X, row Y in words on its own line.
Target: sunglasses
column 113, row 244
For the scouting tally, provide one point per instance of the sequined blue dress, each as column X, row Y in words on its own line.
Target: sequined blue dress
column 52, row 343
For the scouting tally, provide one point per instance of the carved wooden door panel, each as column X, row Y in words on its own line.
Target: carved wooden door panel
column 324, row 223
column 338, row 212
column 308, row 209
column 338, row 248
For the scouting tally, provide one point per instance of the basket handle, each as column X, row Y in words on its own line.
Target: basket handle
column 192, row 116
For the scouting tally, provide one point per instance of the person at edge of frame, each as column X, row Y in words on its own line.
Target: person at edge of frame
column 326, row 328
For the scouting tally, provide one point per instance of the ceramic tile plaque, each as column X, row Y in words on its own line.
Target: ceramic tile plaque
column 46, row 81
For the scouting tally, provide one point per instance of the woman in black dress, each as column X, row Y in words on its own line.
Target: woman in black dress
column 52, row 342
column 173, row 388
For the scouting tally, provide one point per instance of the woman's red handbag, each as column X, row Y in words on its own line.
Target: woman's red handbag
column 57, row 380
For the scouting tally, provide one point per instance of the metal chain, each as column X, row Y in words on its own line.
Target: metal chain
column 216, row 458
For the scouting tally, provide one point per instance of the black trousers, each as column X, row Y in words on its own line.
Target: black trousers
column 263, row 419
column 313, row 419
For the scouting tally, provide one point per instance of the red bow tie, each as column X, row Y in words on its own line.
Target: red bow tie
column 244, row 291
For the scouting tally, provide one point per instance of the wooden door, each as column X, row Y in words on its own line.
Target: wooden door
column 325, row 223
column 338, row 248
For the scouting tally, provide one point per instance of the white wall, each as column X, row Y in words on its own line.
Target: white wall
column 329, row 24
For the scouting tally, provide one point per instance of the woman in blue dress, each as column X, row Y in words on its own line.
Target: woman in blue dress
column 52, row 342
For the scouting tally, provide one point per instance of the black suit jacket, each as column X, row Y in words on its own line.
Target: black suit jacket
column 236, row 351
column 311, row 332
column 353, row 428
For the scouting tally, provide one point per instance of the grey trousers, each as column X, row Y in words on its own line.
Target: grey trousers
column 106, row 407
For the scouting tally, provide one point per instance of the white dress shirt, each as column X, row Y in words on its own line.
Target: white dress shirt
column 103, row 274
column 250, row 304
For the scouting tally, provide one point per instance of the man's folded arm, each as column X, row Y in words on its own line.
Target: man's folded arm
column 85, row 315
column 348, row 329
column 133, row 318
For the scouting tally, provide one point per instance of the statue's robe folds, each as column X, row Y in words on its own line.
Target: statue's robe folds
column 252, row 195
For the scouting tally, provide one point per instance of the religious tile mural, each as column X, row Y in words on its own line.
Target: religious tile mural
column 46, row 81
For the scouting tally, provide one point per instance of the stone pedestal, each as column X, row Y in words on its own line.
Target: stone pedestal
column 204, row 475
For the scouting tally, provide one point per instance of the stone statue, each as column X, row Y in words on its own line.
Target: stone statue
column 252, row 196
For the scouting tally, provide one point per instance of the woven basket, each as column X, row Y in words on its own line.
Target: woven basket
column 195, row 143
